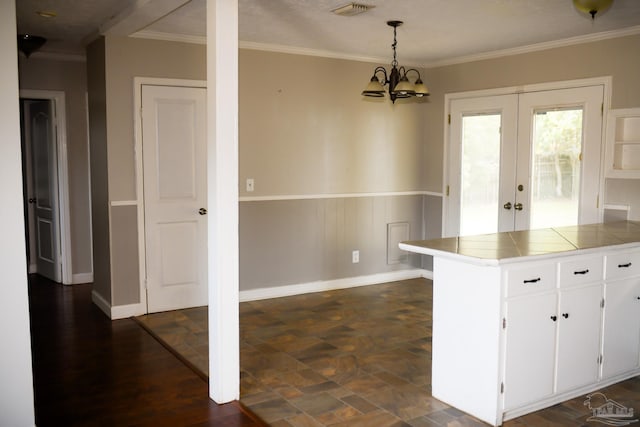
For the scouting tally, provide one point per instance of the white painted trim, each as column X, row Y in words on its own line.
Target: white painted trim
column 337, row 196
column 82, row 278
column 102, row 303
column 89, row 199
column 124, row 203
column 58, row 99
column 605, row 81
column 588, row 38
column 117, row 311
column 57, row 56
column 330, row 285
column 138, row 82
column 129, row 310
column 169, row 37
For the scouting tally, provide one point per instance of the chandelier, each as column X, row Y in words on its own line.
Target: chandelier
column 399, row 84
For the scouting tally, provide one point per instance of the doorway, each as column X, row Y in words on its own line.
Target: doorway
column 524, row 160
column 43, row 134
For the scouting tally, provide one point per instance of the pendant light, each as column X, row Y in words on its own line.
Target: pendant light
column 397, row 78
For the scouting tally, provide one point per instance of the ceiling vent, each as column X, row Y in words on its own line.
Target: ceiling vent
column 352, row 9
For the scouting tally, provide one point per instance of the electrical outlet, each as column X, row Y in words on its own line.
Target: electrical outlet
column 249, row 184
column 355, row 257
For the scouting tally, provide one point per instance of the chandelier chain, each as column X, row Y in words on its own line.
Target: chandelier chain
column 395, row 43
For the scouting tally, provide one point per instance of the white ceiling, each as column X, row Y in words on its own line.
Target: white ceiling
column 434, row 31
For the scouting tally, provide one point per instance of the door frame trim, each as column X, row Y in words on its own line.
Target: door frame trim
column 605, row 81
column 64, row 226
column 138, row 82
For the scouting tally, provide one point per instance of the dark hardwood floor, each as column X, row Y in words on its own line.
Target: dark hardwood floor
column 91, row 371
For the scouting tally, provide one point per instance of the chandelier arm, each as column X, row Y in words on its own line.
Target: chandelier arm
column 382, row 70
column 413, row 69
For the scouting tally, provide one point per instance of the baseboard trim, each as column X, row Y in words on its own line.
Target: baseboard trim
column 329, row 285
column 117, row 311
column 80, row 278
column 102, row 303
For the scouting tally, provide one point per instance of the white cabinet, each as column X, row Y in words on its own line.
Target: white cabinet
column 621, row 338
column 552, row 328
column 579, row 331
column 623, row 144
column 514, row 336
column 530, row 348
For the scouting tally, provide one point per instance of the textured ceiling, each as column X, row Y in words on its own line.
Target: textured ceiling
column 434, row 30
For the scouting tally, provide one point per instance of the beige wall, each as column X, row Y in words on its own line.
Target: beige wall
column 70, row 78
column 306, row 129
column 126, row 58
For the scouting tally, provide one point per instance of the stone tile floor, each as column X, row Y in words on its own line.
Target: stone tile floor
column 353, row 357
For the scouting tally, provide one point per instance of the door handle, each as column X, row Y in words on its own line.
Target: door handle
column 518, row 206
column 507, row 205
column 202, row 211
column 32, row 200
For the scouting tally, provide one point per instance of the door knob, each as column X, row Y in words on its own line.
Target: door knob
column 32, row 200
column 518, row 206
column 507, row 205
column 202, row 211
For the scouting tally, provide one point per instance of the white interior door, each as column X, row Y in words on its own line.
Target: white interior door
column 174, row 163
column 522, row 161
column 40, row 119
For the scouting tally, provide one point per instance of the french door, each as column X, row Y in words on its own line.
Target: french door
column 524, row 161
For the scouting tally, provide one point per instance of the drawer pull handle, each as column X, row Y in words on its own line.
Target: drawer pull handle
column 532, row 280
column 581, row 272
column 554, row 318
column 624, row 265
column 565, row 315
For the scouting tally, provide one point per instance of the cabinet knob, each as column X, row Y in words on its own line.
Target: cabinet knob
column 565, row 315
column 202, row 211
column 507, row 205
column 518, row 206
column 554, row 318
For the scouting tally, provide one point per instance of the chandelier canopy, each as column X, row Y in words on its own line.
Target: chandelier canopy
column 396, row 78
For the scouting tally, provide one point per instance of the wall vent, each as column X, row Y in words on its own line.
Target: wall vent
column 352, row 9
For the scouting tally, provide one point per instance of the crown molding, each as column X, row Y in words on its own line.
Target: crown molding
column 169, row 37
column 589, row 38
column 57, row 56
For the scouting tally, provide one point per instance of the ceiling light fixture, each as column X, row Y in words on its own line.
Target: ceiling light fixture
column 592, row 7
column 28, row 44
column 48, row 14
column 399, row 84
column 352, row 9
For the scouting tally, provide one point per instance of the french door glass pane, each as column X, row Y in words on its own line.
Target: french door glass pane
column 480, row 174
column 557, row 144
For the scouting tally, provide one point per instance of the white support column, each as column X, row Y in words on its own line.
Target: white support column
column 222, row 182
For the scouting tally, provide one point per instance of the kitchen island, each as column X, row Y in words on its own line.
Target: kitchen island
column 524, row 320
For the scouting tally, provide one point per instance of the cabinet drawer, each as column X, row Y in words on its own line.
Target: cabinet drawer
column 622, row 265
column 532, row 278
column 580, row 270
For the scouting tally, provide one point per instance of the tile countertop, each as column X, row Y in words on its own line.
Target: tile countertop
column 499, row 248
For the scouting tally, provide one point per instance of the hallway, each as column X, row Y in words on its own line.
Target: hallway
column 91, row 371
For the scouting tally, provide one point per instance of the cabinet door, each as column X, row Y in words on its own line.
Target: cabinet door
column 530, row 348
column 579, row 331
column 621, row 349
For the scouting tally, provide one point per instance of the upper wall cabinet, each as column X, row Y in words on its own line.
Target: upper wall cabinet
column 623, row 144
